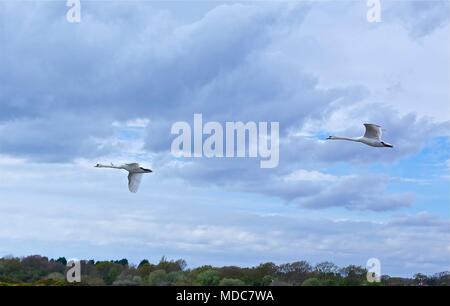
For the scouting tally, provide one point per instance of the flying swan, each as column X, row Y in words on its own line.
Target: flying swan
column 134, row 174
column 372, row 137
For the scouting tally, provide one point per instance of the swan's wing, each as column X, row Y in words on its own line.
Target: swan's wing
column 134, row 179
column 372, row 131
column 133, row 166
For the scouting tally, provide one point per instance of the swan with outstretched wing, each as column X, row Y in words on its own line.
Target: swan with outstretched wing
column 372, row 137
column 135, row 172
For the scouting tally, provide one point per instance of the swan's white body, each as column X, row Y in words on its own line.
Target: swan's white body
column 372, row 137
column 134, row 174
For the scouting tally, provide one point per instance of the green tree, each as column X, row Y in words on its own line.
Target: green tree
column 143, row 262
column 420, row 279
column 62, row 260
column 92, row 280
column 208, row 278
column 56, row 276
column 294, row 273
column 123, row 262
column 145, row 269
column 109, row 271
column 354, row 275
column 231, row 282
column 176, row 278
column 171, row 265
column 266, row 280
column 128, row 280
column 312, row 282
column 326, row 268
column 157, row 278
column 441, row 279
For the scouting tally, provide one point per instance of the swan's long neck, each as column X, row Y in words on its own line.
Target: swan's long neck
column 345, row 138
column 109, row 166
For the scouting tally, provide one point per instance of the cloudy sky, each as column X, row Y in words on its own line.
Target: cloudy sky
column 109, row 88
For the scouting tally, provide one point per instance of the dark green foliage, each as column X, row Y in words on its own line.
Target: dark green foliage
column 41, row 271
column 109, row 271
column 295, row 273
column 28, row 269
column 171, row 265
column 231, row 282
column 143, row 262
column 353, row 275
column 62, row 260
column 158, row 278
column 123, row 262
column 208, row 277
column 312, row 282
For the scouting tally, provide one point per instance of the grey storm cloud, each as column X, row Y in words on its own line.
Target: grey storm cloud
column 420, row 220
column 407, row 132
column 53, row 137
column 357, row 193
column 308, row 189
column 105, row 68
column 63, row 85
column 152, row 66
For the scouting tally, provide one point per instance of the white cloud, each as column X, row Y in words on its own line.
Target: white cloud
column 312, row 176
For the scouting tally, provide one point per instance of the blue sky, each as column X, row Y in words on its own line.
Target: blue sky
column 109, row 88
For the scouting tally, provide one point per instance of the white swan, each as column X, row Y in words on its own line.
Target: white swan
column 372, row 137
column 134, row 174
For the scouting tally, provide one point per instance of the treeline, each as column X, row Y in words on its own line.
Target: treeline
column 39, row 270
